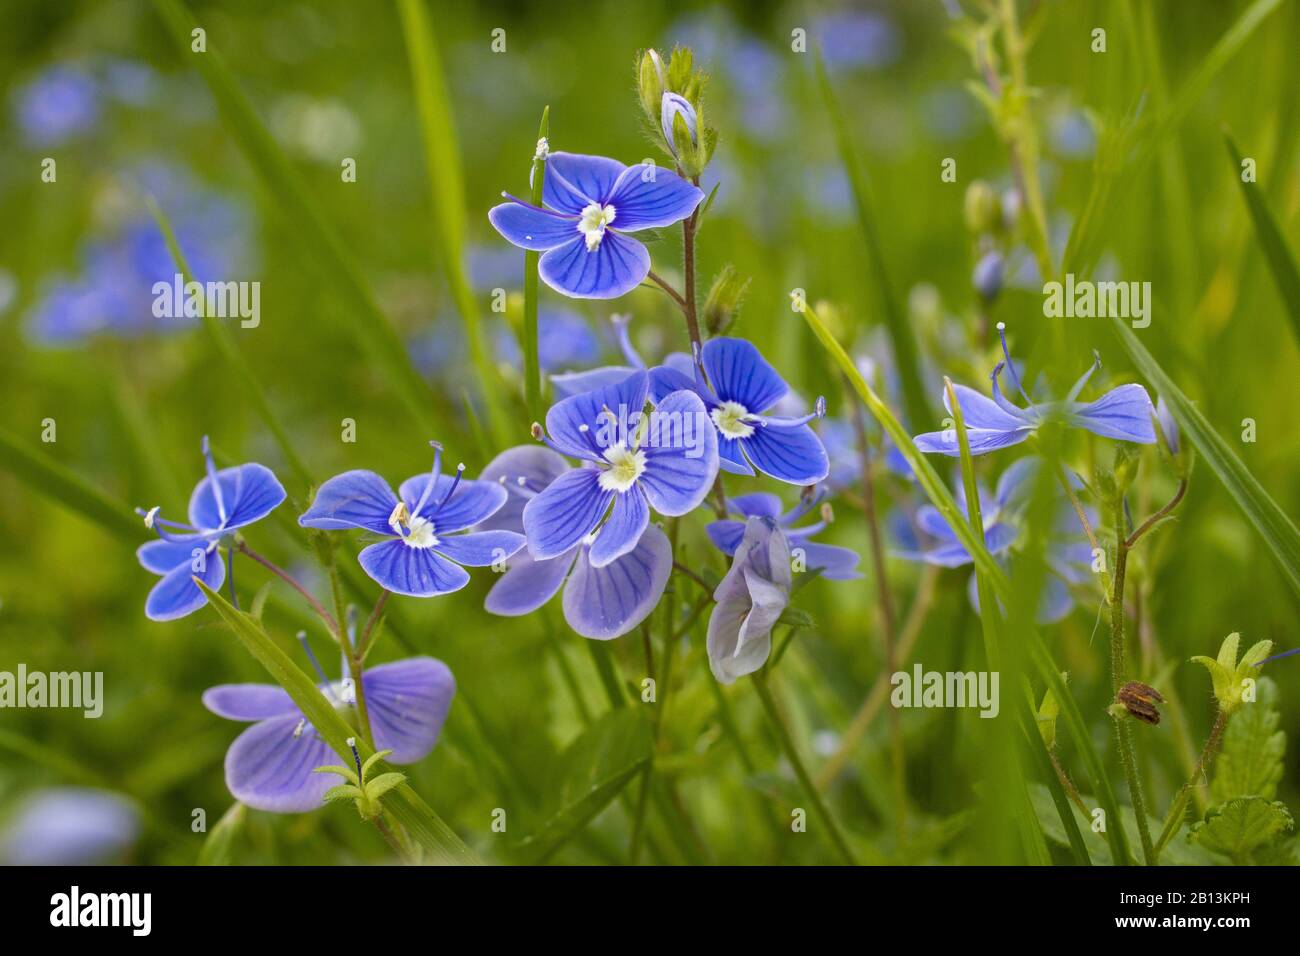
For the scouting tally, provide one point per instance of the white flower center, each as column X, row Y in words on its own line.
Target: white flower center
column 730, row 419
column 625, row 467
column 420, row 534
column 595, row 218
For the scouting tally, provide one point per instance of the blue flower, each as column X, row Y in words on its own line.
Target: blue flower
column 564, row 340
column 568, row 384
column 750, row 600
column 740, row 385
column 425, row 529
column 599, row 602
column 1123, row 413
column 666, row 460
column 834, row 563
column 672, row 106
column 69, row 826
column 58, row 105
column 222, row 502
column 585, row 257
column 271, row 765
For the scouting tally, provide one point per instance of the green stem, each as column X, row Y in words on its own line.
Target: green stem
column 532, row 363
column 796, row 761
column 688, row 295
column 289, row 579
column 638, row 820
column 1177, row 809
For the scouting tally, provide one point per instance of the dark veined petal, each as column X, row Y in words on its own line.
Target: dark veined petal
column 531, row 228
column 162, row 555
column 647, row 196
column 354, row 499
column 408, row 702
column 528, row 584
column 523, row 471
column 979, row 412
column 249, row 492
column 682, row 459
column 480, row 549
column 249, row 701
column 731, row 458
column 1123, row 413
column 758, row 503
column 792, row 454
column 580, row 426
column 982, row 440
column 665, row 380
column 603, row 603
column 269, row 766
column 568, row 384
column 417, row 572
column 176, row 595
column 614, row 268
column 565, row 513
column 575, row 180
column 622, row 529
column 471, row 502
column 726, row 535
column 739, row 373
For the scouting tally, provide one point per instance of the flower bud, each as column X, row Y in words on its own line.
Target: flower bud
column 982, row 208
column 650, row 82
column 1139, row 700
column 987, row 276
column 724, row 300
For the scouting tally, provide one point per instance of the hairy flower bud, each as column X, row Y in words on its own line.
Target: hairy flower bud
column 983, row 211
column 987, row 277
column 724, row 300
column 1139, row 700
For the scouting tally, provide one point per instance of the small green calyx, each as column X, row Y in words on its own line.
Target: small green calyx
column 364, row 793
column 1234, row 680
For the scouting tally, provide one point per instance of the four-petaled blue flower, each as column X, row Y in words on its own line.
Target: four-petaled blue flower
column 666, row 460
column 1123, row 413
column 834, row 563
column 590, row 204
column 599, row 602
column 270, row 766
column 424, row 551
column 750, row 600
column 740, row 386
column 222, row 503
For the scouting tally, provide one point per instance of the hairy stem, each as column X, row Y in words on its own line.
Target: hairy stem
column 285, row 576
column 1177, row 809
column 1163, row 512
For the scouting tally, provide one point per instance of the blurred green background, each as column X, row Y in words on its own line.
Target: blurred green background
column 127, row 113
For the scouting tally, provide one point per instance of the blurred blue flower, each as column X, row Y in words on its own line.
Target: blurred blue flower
column 853, row 39
column 599, row 602
column 835, row 563
column 564, row 340
column 271, row 765
column 222, row 503
column 1072, row 135
column 56, row 106
column 584, row 255
column 1123, row 413
column 69, row 826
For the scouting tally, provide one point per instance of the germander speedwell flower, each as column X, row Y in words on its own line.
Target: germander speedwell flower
column 590, row 204
column 426, row 527
column 833, row 562
column 222, row 503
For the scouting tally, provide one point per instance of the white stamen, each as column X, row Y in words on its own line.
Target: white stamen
column 399, row 516
column 625, row 467
column 420, row 534
column 730, row 417
column 148, row 518
column 297, row 731
column 592, row 223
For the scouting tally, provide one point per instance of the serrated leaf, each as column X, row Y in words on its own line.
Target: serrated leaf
column 795, row 617
column 593, row 770
column 216, row 849
column 1250, row 761
column 383, row 783
column 344, row 791
column 1238, row 827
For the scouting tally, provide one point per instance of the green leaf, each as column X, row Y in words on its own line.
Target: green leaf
column 383, row 783
column 1250, row 762
column 344, row 772
column 344, row 791
column 216, row 849
column 1238, row 827
column 593, row 770
column 900, row 331
column 419, row 819
column 796, row 617
column 59, row 483
column 336, row 266
column 1278, row 531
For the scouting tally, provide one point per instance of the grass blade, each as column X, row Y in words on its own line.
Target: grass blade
column 405, row 804
column 1281, row 263
column 532, row 360
column 374, row 332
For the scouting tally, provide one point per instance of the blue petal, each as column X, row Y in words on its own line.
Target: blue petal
column 680, row 469
column 979, row 412
column 354, row 499
column 408, row 702
column 269, row 768
column 565, row 513
column 531, row 228
column 738, row 373
column 664, row 381
column 528, row 584
column 249, row 492
column 471, row 501
column 249, row 701
column 602, row 603
column 523, row 471
column 622, row 529
column 1055, row 603
column 731, row 458
column 176, row 595
column 568, row 384
column 793, row 454
column 417, row 572
column 575, row 180
column 614, row 268
column 1015, row 485
column 726, row 535
column 760, row 503
column 1123, row 413
column 982, row 440
column 943, row 556
column 580, row 426
column 648, row 196
column 161, row 556
column 834, row 562
column 480, row 549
